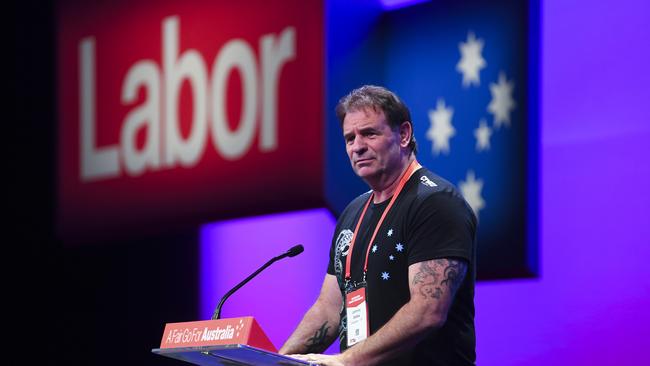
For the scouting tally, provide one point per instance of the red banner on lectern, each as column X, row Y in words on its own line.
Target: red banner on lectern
column 243, row 330
column 181, row 112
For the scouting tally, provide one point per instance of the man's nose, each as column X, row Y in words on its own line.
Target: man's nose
column 359, row 145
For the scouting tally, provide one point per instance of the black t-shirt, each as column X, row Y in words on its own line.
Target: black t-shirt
column 429, row 220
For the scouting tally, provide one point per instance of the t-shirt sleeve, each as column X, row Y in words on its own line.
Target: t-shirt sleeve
column 442, row 226
column 330, row 263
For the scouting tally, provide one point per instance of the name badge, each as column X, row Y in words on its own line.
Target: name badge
column 356, row 309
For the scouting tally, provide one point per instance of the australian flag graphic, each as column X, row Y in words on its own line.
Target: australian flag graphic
column 467, row 71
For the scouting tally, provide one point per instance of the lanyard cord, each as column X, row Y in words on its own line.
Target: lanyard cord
column 414, row 166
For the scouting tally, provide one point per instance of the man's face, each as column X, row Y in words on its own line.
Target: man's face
column 372, row 146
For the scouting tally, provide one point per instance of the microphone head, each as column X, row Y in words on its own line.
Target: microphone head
column 294, row 251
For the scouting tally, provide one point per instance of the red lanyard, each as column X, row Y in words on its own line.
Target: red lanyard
column 405, row 177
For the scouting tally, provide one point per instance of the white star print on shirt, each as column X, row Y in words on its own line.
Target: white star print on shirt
column 502, row 103
column 471, row 61
column 390, row 232
column 471, row 190
column 441, row 129
column 391, row 257
column 385, row 275
column 482, row 134
column 374, row 248
column 399, row 247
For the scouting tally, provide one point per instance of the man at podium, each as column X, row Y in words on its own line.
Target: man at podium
column 399, row 288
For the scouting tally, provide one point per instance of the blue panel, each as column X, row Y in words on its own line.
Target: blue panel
column 354, row 57
column 415, row 51
column 422, row 55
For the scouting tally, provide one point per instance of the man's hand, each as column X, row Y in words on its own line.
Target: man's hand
column 320, row 359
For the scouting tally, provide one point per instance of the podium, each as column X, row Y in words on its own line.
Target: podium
column 234, row 341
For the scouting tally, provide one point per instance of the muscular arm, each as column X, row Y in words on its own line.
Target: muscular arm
column 433, row 285
column 319, row 326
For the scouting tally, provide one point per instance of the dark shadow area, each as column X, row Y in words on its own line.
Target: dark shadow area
column 89, row 304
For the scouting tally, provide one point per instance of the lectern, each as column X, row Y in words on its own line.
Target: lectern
column 234, row 341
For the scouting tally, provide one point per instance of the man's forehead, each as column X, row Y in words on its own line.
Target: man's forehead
column 364, row 116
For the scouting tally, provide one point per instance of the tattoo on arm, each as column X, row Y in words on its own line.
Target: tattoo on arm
column 315, row 344
column 426, row 270
column 429, row 277
column 454, row 274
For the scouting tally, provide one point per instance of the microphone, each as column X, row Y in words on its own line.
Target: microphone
column 292, row 252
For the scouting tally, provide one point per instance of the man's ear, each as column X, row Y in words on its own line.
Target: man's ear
column 405, row 133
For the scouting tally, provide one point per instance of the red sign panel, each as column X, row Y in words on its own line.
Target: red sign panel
column 219, row 332
column 174, row 113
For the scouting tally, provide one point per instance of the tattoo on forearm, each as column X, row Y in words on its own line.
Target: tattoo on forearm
column 429, row 275
column 315, row 344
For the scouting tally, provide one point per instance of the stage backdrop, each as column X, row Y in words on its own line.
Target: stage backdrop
column 173, row 113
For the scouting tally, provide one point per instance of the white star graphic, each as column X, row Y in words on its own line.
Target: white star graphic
column 471, row 62
column 482, row 134
column 239, row 327
column 502, row 103
column 471, row 190
column 385, row 275
column 391, row 257
column 390, row 232
column 399, row 247
column 374, row 248
column 441, row 129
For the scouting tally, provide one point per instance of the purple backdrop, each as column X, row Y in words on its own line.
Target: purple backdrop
column 280, row 295
column 590, row 304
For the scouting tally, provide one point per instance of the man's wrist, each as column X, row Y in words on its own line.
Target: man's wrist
column 348, row 357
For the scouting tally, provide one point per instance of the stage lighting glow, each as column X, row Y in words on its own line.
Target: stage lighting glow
column 396, row 4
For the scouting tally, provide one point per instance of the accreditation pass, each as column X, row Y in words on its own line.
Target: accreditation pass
column 356, row 309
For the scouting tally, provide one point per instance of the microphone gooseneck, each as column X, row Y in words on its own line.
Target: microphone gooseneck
column 292, row 252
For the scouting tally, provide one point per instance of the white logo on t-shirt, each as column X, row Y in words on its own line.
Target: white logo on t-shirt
column 341, row 249
column 427, row 182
